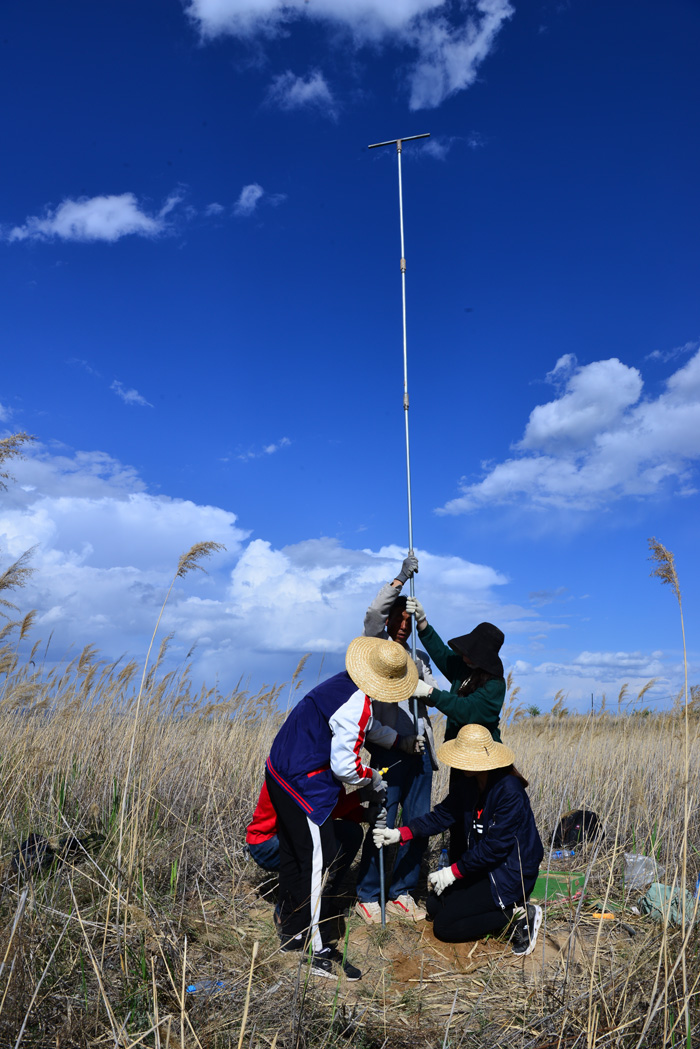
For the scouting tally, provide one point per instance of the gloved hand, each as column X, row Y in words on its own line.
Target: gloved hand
column 380, row 817
column 382, row 836
column 422, row 689
column 378, row 784
column 415, row 608
column 411, row 744
column 409, row 566
column 376, row 812
column 440, row 880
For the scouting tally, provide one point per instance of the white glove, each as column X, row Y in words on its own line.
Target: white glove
column 411, row 744
column 378, row 784
column 415, row 608
column 382, row 836
column 409, row 566
column 441, row 880
column 423, row 690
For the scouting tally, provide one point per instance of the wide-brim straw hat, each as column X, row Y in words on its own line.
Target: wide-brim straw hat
column 475, row 750
column 382, row 669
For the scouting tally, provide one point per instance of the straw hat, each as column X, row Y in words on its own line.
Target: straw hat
column 382, row 669
column 475, row 750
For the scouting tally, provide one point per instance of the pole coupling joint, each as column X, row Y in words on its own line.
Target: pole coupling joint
column 405, row 402
column 403, row 265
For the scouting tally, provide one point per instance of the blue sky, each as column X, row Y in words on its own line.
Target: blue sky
column 202, row 326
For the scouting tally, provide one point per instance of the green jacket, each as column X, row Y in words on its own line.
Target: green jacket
column 482, row 707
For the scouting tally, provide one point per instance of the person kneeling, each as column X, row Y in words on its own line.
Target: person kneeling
column 489, row 884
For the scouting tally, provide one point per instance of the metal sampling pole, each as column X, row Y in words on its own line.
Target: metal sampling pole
column 398, row 142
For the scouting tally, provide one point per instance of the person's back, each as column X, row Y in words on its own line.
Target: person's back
column 316, row 750
column 303, row 742
column 302, row 751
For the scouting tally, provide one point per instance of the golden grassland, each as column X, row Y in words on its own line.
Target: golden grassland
column 100, row 948
column 158, row 780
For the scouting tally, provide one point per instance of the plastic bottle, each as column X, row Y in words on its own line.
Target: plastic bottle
column 444, row 860
column 205, row 987
column 563, row 854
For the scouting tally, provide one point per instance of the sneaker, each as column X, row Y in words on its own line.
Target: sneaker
column 406, row 907
column 527, row 925
column 369, row 911
column 327, row 963
column 296, row 943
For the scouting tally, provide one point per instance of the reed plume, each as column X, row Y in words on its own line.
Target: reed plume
column 11, row 448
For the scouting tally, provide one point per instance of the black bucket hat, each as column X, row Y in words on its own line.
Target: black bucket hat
column 481, row 647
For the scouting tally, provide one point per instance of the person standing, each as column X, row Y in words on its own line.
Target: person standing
column 409, row 780
column 315, row 751
column 473, row 666
column 489, row 884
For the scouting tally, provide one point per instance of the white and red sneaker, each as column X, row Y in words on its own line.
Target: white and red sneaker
column 369, row 911
column 405, row 906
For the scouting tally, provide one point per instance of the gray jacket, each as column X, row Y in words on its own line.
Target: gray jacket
column 397, row 716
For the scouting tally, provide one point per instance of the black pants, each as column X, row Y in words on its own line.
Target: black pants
column 458, row 838
column 466, row 911
column 308, row 857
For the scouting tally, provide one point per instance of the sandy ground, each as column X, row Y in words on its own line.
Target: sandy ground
column 406, row 968
column 420, row 983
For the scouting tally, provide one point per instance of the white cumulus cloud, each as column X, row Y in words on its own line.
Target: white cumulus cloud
column 595, row 400
column 449, row 55
column 289, row 92
column 598, row 674
column 105, row 551
column 448, row 41
column 601, row 440
column 104, row 218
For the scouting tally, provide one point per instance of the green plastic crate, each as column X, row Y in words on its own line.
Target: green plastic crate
column 557, row 884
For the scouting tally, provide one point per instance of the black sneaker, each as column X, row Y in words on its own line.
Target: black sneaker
column 527, row 925
column 296, row 943
column 329, row 961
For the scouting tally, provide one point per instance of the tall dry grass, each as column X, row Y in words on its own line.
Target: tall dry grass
column 159, row 779
column 99, row 950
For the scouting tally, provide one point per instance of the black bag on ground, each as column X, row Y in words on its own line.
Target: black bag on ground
column 577, row 828
column 37, row 853
column 34, row 854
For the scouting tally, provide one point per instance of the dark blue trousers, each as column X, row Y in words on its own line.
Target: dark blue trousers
column 409, row 784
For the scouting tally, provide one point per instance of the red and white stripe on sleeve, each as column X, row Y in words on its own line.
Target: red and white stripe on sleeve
column 349, row 725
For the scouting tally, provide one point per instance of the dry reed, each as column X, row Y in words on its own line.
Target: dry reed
column 100, row 947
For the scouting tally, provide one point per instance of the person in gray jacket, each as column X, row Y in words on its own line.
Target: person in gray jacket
column 410, row 777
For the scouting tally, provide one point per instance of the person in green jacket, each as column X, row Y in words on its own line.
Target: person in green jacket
column 471, row 662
